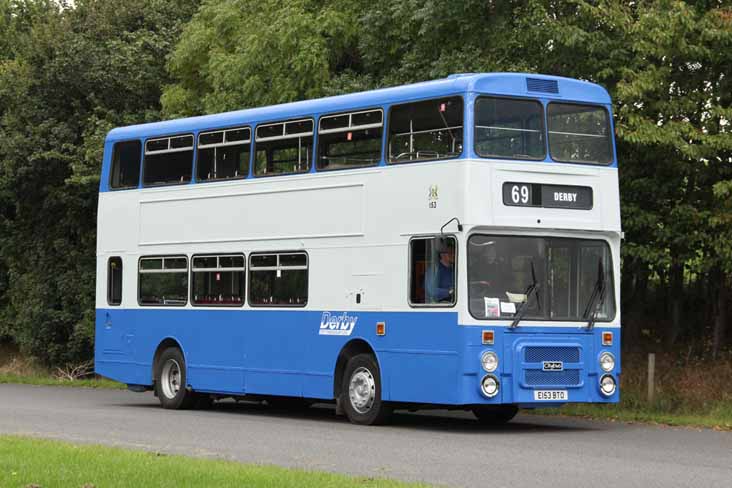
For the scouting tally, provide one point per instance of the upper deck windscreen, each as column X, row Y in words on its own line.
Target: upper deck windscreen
column 509, row 128
column 579, row 133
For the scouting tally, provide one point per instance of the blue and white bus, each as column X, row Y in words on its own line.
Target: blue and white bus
column 452, row 244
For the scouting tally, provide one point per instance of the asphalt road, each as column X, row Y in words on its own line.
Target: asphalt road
column 441, row 448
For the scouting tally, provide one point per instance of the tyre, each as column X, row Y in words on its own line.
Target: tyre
column 361, row 392
column 495, row 414
column 171, row 380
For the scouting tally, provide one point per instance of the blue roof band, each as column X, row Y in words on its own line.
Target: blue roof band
column 539, row 87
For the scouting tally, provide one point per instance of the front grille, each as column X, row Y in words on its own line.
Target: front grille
column 537, row 377
column 538, row 354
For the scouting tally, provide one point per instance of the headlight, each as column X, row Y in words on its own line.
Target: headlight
column 607, row 362
column 489, row 361
column 489, row 385
column 607, row 385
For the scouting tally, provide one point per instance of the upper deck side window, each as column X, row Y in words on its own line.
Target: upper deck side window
column 350, row 140
column 509, row 128
column 125, row 171
column 223, row 154
column 579, row 133
column 283, row 147
column 168, row 160
column 426, row 130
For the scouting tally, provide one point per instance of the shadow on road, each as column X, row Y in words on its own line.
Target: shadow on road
column 437, row 421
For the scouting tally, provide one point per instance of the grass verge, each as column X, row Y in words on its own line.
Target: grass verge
column 51, row 381
column 720, row 418
column 689, row 392
column 41, row 463
column 14, row 368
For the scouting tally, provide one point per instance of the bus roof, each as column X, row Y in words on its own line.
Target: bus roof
column 509, row 84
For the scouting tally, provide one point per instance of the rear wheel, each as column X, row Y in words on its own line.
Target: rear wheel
column 171, row 380
column 361, row 392
column 495, row 414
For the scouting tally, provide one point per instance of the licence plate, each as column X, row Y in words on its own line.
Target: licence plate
column 551, row 395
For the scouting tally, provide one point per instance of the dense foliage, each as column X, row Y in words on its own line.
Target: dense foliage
column 69, row 74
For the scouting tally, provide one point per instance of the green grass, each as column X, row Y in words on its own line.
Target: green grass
column 18, row 369
column 44, row 380
column 718, row 417
column 32, row 462
column 689, row 392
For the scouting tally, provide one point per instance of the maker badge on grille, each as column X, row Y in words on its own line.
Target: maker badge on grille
column 552, row 366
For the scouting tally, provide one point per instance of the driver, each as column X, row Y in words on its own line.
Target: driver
column 440, row 281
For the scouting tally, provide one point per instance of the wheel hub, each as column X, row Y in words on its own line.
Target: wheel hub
column 362, row 390
column 170, row 378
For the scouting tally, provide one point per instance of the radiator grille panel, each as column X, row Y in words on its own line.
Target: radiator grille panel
column 537, row 377
column 537, row 354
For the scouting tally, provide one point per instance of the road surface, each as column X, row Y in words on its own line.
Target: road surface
column 441, row 448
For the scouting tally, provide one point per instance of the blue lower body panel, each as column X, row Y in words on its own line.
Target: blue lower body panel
column 424, row 357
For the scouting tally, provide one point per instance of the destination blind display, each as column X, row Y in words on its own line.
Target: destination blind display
column 548, row 196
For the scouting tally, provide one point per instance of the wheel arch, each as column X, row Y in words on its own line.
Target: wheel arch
column 164, row 344
column 350, row 349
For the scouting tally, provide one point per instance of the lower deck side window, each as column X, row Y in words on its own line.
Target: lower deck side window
column 278, row 279
column 432, row 271
column 163, row 281
column 114, row 281
column 218, row 280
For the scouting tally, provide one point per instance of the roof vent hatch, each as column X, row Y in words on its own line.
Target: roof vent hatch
column 540, row 85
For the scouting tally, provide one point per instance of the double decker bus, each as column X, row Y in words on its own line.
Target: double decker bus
column 452, row 244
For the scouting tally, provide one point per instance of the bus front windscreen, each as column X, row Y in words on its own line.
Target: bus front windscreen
column 540, row 278
column 579, row 133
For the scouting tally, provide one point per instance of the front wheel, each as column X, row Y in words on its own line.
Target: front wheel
column 170, row 380
column 361, row 392
column 495, row 414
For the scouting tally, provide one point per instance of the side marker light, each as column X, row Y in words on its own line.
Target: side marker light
column 380, row 328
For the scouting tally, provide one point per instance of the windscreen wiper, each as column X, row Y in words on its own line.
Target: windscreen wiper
column 598, row 295
column 532, row 288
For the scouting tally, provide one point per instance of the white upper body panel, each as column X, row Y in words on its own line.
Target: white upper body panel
column 355, row 225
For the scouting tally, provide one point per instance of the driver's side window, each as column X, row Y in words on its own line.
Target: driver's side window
column 432, row 269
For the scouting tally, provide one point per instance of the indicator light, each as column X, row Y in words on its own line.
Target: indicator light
column 380, row 328
column 488, row 337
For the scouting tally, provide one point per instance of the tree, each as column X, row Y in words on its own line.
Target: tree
column 665, row 63
column 76, row 73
